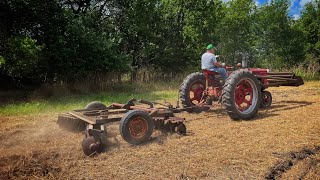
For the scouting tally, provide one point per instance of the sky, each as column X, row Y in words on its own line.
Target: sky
column 294, row 10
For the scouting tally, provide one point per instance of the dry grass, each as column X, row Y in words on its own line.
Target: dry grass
column 215, row 147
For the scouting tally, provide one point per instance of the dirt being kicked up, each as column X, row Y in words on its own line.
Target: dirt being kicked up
column 281, row 142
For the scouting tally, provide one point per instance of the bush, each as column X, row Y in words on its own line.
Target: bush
column 23, row 56
column 310, row 69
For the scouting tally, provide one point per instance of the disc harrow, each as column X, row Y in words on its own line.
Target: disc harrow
column 137, row 122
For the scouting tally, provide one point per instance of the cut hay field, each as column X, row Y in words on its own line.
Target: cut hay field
column 282, row 141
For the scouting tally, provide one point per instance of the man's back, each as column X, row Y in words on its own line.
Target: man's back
column 207, row 60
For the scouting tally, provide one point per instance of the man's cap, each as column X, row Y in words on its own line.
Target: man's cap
column 210, row 46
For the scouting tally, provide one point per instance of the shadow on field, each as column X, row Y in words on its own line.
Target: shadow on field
column 288, row 105
column 271, row 111
column 280, row 107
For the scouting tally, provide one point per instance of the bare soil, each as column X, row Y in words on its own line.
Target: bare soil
column 281, row 142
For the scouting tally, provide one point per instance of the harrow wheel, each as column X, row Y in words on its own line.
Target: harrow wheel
column 241, row 95
column 191, row 90
column 71, row 123
column 266, row 99
column 95, row 105
column 136, row 127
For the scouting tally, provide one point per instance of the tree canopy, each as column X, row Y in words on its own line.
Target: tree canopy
column 44, row 40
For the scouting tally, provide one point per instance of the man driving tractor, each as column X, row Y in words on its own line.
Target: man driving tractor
column 209, row 62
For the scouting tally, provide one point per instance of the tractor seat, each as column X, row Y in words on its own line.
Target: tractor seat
column 209, row 73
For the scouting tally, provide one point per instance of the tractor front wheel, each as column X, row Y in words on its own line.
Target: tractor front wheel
column 266, row 99
column 241, row 95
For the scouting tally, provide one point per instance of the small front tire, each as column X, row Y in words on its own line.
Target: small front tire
column 266, row 99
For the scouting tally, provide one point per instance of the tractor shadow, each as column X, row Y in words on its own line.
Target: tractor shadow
column 273, row 110
column 280, row 106
column 114, row 140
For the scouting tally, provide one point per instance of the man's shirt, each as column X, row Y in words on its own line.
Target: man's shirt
column 208, row 60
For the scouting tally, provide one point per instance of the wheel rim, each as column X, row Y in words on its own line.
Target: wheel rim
column 195, row 93
column 246, row 95
column 138, row 127
column 266, row 99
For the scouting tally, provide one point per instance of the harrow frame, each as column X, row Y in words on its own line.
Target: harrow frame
column 93, row 121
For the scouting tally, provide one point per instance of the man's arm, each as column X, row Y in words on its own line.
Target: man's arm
column 217, row 64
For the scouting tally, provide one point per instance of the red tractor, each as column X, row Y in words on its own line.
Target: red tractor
column 243, row 93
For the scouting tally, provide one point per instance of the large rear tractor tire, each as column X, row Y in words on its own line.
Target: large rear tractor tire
column 191, row 90
column 136, row 127
column 241, row 95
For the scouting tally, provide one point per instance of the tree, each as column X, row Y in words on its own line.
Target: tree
column 310, row 26
column 61, row 43
column 24, row 32
column 278, row 41
column 201, row 26
column 236, row 31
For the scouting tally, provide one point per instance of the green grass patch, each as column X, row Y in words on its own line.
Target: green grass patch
column 77, row 101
